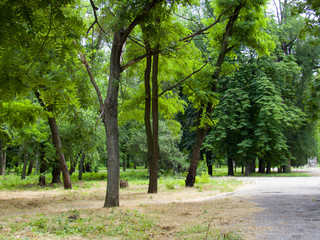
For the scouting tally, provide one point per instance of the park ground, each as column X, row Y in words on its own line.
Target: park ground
column 255, row 209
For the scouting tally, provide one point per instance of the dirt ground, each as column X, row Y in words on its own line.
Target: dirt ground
column 172, row 209
column 262, row 208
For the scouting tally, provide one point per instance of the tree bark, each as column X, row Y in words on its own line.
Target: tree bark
column 196, row 151
column 25, row 163
column 42, row 166
column 153, row 178
column 124, row 166
column 248, row 170
column 111, row 123
column 56, row 173
column 2, row 158
column 57, row 144
column 147, row 112
column 262, row 165
column 230, row 167
column 72, row 167
column 81, row 166
column 210, row 170
column 268, row 168
column 253, row 166
column 30, row 168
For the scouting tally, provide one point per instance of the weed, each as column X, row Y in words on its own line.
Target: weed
column 170, row 185
column 203, row 178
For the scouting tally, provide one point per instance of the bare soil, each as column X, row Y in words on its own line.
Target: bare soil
column 172, row 210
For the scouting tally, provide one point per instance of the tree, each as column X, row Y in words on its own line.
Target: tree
column 244, row 23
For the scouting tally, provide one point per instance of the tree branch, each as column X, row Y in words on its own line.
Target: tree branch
column 136, row 41
column 137, row 20
column 210, row 26
column 95, row 85
column 181, row 81
column 138, row 59
column 95, row 19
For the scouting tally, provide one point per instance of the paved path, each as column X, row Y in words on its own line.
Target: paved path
column 291, row 206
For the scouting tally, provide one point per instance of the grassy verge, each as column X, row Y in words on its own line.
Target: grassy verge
column 104, row 224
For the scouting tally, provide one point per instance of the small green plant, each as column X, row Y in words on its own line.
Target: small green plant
column 170, row 186
column 203, row 178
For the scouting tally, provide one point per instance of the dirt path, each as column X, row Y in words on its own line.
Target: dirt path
column 291, row 206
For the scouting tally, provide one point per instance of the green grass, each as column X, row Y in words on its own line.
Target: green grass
column 129, row 224
column 223, row 171
column 205, row 231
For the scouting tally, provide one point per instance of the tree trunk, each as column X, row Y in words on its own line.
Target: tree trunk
column 56, row 173
column 242, row 168
column 230, row 167
column 262, row 165
column 25, row 163
column 42, row 166
column 2, row 159
column 58, row 146
column 210, row 170
column 268, row 168
column 111, row 123
column 37, row 159
column 247, row 171
column 88, row 167
column 72, row 167
column 153, row 178
column 81, row 166
column 124, row 167
column 253, row 166
column 201, row 134
column 30, row 166
column 147, row 113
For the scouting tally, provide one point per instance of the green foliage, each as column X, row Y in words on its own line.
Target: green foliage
column 171, row 159
column 203, row 178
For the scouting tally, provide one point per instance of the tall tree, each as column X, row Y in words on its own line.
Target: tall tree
column 232, row 33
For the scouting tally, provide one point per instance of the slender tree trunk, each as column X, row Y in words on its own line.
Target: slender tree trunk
column 42, row 166
column 230, row 167
column 124, row 167
column 25, row 163
column 201, row 134
column 242, row 168
column 42, row 177
column 81, row 166
column 88, row 167
column 153, row 179
column 147, row 112
column 62, row 162
column 253, row 166
column 210, row 170
column 248, row 170
column 2, row 158
column 72, row 167
column 268, row 168
column 56, row 173
column 262, row 165
column 37, row 160
column 57, row 144
column 30, row 166
column 111, row 123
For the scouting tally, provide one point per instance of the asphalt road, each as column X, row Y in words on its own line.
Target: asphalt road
column 291, row 206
